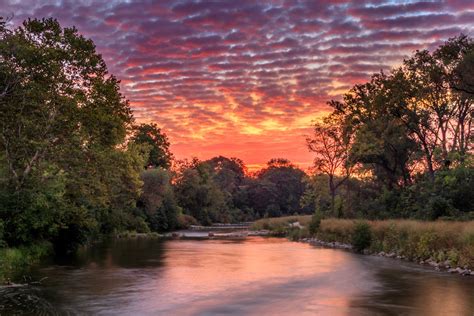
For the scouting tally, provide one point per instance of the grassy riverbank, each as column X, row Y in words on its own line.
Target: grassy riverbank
column 439, row 240
column 15, row 262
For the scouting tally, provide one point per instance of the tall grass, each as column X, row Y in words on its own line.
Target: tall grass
column 280, row 225
column 418, row 240
column 14, row 262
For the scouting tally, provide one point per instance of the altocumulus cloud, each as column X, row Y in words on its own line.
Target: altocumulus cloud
column 245, row 78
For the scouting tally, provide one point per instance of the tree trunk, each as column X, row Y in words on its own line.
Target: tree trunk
column 332, row 190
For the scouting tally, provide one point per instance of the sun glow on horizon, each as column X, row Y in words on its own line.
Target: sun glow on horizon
column 248, row 79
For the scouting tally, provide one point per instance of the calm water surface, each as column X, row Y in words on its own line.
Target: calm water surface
column 256, row 276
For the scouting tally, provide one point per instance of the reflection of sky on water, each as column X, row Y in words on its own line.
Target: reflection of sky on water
column 256, row 276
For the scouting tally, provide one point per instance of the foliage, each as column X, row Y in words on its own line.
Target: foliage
column 406, row 138
column 199, row 195
column 314, row 224
column 439, row 240
column 74, row 166
column 157, row 200
column 362, row 236
column 184, row 221
column 331, row 145
column 281, row 185
column 15, row 261
column 159, row 154
column 65, row 171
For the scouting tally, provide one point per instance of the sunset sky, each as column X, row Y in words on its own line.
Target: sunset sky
column 246, row 78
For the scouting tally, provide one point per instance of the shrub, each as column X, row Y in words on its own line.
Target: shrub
column 184, row 221
column 362, row 236
column 296, row 233
column 315, row 223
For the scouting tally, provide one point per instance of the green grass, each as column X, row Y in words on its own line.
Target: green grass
column 134, row 234
column 417, row 240
column 15, row 262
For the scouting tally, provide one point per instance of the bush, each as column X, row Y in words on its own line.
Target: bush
column 140, row 226
column 296, row 233
column 315, row 223
column 362, row 236
column 184, row 221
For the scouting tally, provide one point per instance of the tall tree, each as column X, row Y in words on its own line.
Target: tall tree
column 63, row 123
column 159, row 155
column 331, row 146
column 437, row 112
column 200, row 195
column 284, row 181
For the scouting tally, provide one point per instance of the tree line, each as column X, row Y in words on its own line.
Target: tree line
column 75, row 165
column 400, row 145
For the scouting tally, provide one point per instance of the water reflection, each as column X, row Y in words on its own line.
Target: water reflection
column 417, row 291
column 256, row 276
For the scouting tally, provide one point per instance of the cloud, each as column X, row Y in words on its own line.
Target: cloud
column 246, row 78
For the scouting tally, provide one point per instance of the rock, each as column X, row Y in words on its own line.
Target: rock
column 452, row 270
column 296, row 225
column 381, row 253
column 433, row 264
column 459, row 270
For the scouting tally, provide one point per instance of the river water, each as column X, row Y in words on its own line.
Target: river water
column 255, row 276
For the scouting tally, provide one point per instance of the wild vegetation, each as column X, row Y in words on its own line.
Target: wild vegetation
column 400, row 145
column 75, row 165
column 441, row 241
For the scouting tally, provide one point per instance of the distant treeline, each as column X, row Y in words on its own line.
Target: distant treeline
column 74, row 165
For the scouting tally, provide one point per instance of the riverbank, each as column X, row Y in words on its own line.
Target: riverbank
column 15, row 262
column 444, row 245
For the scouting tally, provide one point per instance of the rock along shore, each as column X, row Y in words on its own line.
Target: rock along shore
column 438, row 266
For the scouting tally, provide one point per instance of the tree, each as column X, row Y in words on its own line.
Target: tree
column 284, row 181
column 229, row 173
column 158, row 201
column 412, row 129
column 331, row 145
column 199, row 195
column 379, row 139
column 159, row 155
column 437, row 112
column 63, row 126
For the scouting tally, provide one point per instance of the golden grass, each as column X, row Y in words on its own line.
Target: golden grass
column 278, row 223
column 439, row 240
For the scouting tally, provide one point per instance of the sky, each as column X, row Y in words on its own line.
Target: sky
column 246, row 78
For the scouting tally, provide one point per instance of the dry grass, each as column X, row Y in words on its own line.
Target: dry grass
column 439, row 240
column 278, row 224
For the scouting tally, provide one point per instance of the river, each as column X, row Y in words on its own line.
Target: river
column 253, row 276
